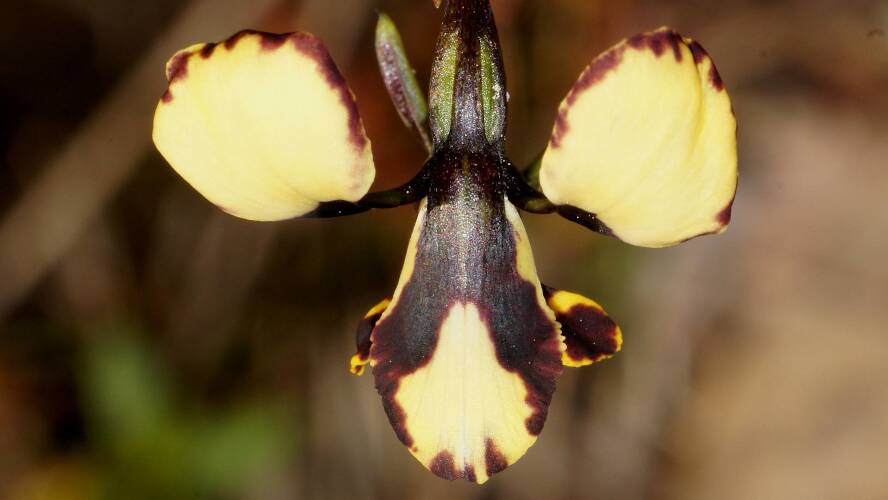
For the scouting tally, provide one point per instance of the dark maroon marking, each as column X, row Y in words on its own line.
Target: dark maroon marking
column 466, row 253
column 362, row 336
column 697, row 51
column 494, row 460
column 699, row 54
column 443, row 467
column 559, row 130
column 233, row 40
column 273, row 41
column 177, row 69
column 398, row 419
column 469, row 474
column 267, row 41
column 658, row 42
column 588, row 332
column 207, row 50
column 715, row 79
column 724, row 216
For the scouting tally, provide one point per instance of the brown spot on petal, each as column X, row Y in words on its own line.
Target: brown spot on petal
column 724, row 216
column 714, row 78
column 177, row 69
column 273, row 41
column 232, row 41
column 494, row 461
column 207, row 50
column 469, row 474
column 658, row 41
column 697, row 51
column 442, row 466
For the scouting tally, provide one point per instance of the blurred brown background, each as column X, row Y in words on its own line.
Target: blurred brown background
column 154, row 347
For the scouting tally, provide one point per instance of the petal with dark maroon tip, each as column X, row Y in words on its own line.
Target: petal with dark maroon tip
column 466, row 356
column 362, row 337
column 264, row 126
column 590, row 334
column 645, row 142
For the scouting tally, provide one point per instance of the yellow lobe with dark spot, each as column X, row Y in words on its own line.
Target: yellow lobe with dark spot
column 359, row 360
column 590, row 335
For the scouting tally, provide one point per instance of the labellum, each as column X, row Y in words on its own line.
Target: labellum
column 466, row 352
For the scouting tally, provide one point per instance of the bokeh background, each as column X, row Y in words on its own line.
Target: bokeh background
column 153, row 347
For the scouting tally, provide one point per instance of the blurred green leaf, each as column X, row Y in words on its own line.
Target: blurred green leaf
column 125, row 390
column 238, row 448
column 154, row 447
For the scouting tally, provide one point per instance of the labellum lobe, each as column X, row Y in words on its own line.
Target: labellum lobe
column 466, row 356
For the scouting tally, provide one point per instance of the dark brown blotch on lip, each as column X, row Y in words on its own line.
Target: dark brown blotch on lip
column 494, row 461
column 469, row 474
column 396, row 415
column 442, row 466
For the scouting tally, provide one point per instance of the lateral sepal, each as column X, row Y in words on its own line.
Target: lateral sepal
column 359, row 360
column 589, row 333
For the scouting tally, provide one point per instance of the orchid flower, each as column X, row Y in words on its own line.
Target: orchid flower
column 466, row 352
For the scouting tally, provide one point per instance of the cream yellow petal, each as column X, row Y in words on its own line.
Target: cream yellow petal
column 646, row 141
column 263, row 126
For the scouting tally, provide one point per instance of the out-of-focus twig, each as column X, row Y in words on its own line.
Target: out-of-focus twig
column 100, row 156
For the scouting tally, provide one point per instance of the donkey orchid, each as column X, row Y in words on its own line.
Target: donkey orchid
column 466, row 352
